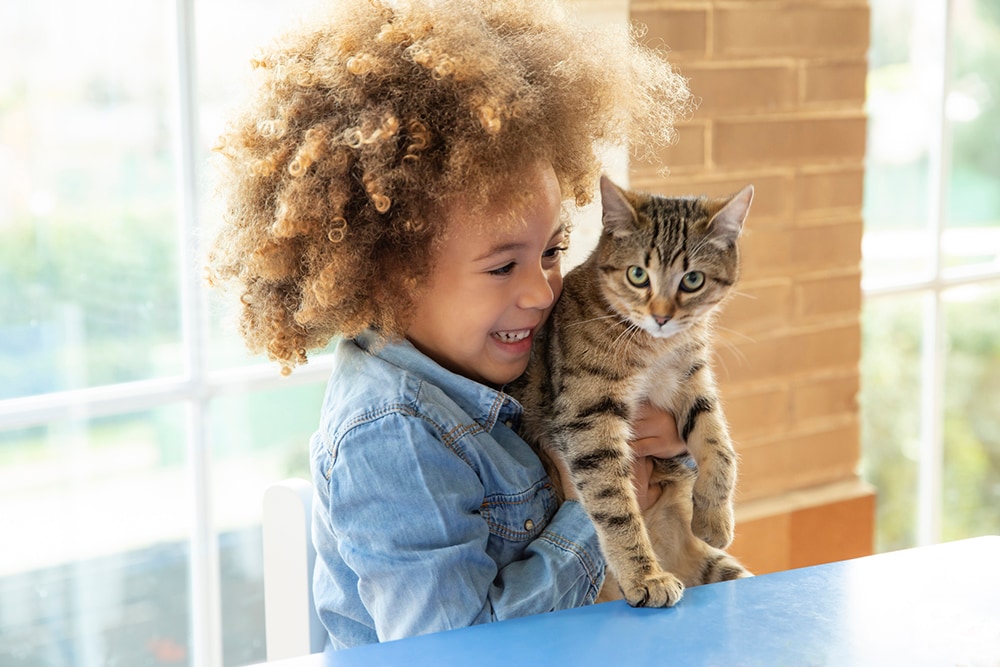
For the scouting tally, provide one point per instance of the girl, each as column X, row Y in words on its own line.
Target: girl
column 398, row 182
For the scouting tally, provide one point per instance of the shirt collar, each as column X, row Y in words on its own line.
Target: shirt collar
column 484, row 404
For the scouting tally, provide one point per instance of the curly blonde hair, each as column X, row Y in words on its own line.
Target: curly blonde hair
column 364, row 126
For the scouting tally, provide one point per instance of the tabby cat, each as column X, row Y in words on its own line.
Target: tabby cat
column 634, row 323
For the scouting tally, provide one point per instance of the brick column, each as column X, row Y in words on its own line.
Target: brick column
column 782, row 86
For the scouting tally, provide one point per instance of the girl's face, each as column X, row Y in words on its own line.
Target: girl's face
column 490, row 291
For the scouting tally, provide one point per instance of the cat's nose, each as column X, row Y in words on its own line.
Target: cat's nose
column 661, row 319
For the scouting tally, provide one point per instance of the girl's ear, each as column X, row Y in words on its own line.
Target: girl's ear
column 619, row 217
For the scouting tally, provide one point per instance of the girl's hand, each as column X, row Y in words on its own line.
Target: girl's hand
column 655, row 434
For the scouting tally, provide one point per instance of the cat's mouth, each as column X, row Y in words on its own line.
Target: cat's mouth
column 512, row 336
column 665, row 330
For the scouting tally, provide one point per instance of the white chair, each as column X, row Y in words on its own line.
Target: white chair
column 291, row 626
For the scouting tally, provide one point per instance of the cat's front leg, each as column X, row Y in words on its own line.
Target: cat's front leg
column 713, row 518
column 593, row 444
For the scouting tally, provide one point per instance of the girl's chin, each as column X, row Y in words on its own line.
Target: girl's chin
column 501, row 374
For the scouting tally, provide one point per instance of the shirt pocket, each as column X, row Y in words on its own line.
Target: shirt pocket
column 519, row 517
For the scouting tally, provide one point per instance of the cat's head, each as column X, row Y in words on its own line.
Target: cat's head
column 668, row 262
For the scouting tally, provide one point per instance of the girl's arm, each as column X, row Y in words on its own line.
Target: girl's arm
column 406, row 511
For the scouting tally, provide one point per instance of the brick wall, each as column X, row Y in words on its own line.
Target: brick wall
column 782, row 88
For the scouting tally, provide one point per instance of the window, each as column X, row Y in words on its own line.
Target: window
column 136, row 436
column 931, row 355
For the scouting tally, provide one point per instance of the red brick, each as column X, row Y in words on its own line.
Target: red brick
column 686, row 154
column 728, row 88
column 805, row 527
column 794, row 353
column 789, row 141
column 796, row 461
column 791, row 29
column 756, row 412
column 840, row 82
column 825, row 191
column 824, row 397
column 828, row 296
column 757, row 306
column 766, row 252
column 774, row 192
column 829, row 246
column 833, row 532
column 682, row 32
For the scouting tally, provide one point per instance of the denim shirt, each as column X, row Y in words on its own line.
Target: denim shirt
column 431, row 512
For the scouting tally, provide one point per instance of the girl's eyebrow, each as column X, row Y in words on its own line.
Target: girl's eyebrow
column 502, row 248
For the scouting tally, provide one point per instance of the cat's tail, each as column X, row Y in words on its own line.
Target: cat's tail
column 719, row 566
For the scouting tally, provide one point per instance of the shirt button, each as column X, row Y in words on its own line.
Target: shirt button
column 529, row 524
column 509, row 423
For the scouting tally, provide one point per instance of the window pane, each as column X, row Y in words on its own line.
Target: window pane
column 94, row 567
column 88, row 252
column 973, row 228
column 972, row 426
column 257, row 438
column 890, row 414
column 901, row 117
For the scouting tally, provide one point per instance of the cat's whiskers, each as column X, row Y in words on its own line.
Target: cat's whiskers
column 624, row 332
column 731, row 346
column 745, row 337
column 629, row 333
column 736, row 293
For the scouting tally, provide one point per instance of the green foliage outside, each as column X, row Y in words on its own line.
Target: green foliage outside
column 890, row 402
column 890, row 415
column 971, row 419
column 88, row 302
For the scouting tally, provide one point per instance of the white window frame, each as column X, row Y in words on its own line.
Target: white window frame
column 197, row 385
column 931, row 288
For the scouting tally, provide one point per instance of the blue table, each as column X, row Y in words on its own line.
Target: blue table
column 937, row 605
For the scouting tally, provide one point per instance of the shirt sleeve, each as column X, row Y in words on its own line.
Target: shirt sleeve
column 405, row 509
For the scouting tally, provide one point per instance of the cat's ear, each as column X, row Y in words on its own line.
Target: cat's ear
column 727, row 222
column 619, row 216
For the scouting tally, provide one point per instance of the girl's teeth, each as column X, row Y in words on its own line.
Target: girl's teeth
column 512, row 336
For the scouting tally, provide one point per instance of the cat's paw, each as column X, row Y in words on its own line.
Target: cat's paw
column 661, row 589
column 716, row 527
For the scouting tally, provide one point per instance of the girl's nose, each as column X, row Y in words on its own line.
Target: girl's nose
column 536, row 292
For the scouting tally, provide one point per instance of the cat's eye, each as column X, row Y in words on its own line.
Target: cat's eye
column 637, row 276
column 692, row 281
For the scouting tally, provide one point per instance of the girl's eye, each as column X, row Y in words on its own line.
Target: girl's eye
column 503, row 270
column 637, row 276
column 554, row 252
column 692, row 281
